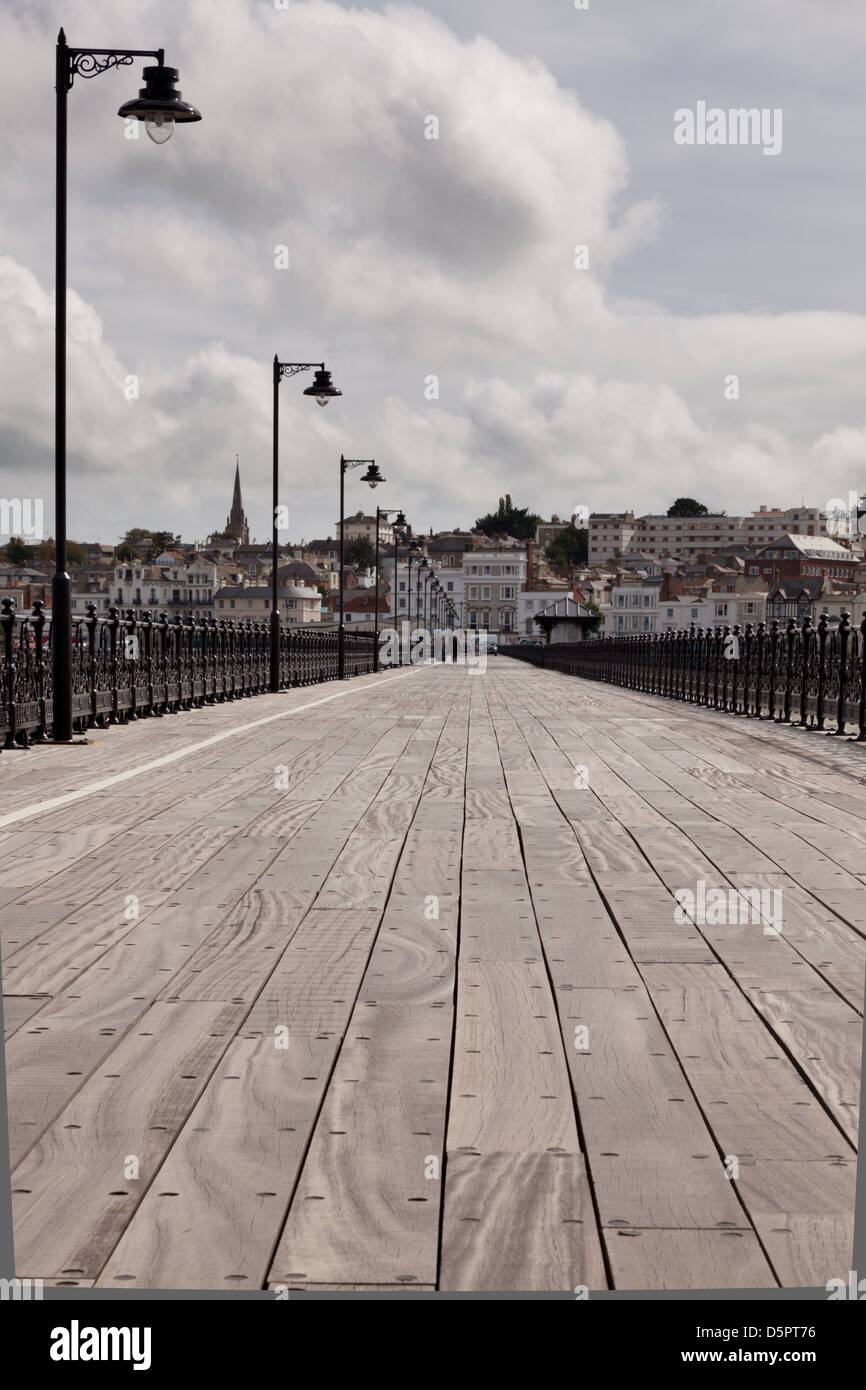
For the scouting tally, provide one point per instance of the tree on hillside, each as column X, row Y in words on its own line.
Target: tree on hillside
column 17, row 553
column 161, row 541
column 570, row 547
column 687, row 506
column 360, row 551
column 518, row 522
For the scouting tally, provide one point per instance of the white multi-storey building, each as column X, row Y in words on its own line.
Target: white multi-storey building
column 686, row 537
column 492, row 581
column 609, row 534
column 169, row 583
column 297, row 602
column 711, row 610
column 634, row 607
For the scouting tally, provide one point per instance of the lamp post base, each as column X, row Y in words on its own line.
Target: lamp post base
column 61, row 656
column 275, row 652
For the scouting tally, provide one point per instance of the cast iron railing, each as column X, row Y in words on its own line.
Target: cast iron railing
column 800, row 675
column 126, row 667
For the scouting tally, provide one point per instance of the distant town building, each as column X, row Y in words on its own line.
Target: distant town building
column 363, row 527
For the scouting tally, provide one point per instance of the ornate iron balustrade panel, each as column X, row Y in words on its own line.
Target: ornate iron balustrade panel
column 134, row 665
column 799, row 675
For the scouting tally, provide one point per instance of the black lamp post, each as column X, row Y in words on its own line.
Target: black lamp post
column 373, row 478
column 422, row 565
column 413, row 547
column 428, row 600
column 160, row 107
column 324, row 390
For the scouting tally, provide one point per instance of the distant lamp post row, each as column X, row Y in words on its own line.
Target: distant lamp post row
column 160, row 107
column 324, row 390
column 399, row 521
column 431, row 600
column 372, row 478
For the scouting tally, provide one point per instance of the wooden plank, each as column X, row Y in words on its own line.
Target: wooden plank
column 491, row 846
column 17, row 1008
column 497, row 921
column 250, row 1130
column 50, row 962
column 368, row 1201
column 51, row 1056
column 804, row 1215
column 756, row 1102
column 518, row 1211
column 71, row 1197
column 393, row 1290
column 824, row 1036
column 654, row 1163
column 686, row 1259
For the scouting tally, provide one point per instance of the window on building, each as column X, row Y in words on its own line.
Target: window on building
column 485, row 591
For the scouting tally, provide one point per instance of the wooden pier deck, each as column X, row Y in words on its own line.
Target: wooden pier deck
column 360, row 986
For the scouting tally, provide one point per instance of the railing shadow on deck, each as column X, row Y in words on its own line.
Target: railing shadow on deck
column 799, row 675
column 130, row 667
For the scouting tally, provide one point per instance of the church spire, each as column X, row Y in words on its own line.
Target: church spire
column 237, row 517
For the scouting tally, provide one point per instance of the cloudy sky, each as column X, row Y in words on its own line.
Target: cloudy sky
column 413, row 258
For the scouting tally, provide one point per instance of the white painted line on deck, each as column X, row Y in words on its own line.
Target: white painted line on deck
column 40, row 807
